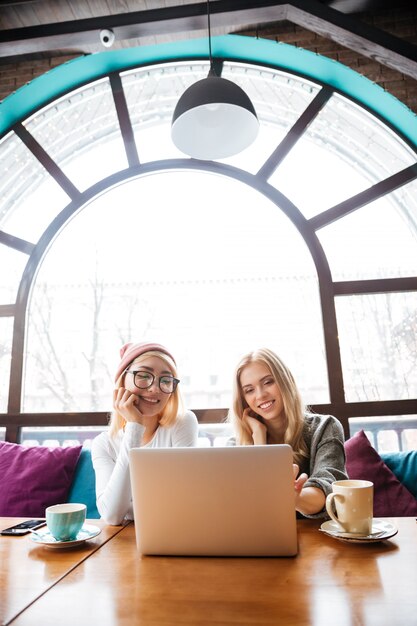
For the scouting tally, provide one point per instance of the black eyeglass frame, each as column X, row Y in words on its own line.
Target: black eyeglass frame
column 175, row 381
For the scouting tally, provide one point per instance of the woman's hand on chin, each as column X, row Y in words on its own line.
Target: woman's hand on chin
column 125, row 403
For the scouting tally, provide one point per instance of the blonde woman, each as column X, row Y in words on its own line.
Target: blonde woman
column 148, row 411
column 267, row 409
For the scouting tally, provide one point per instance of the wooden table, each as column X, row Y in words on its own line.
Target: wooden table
column 28, row 570
column 328, row 583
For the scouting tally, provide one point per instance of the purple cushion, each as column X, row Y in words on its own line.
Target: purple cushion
column 391, row 498
column 32, row 479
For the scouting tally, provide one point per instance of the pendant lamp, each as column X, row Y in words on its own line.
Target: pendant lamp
column 214, row 118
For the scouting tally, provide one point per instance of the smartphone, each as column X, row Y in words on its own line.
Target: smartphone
column 22, row 528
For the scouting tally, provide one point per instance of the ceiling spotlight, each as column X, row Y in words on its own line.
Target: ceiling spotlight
column 107, row 37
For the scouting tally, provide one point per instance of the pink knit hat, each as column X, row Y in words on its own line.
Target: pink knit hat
column 130, row 351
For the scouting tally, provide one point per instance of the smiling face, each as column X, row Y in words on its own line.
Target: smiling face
column 260, row 391
column 151, row 401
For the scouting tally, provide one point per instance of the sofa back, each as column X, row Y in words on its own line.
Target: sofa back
column 27, row 473
column 83, row 488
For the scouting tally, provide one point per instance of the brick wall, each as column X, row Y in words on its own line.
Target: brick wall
column 17, row 73
column 402, row 24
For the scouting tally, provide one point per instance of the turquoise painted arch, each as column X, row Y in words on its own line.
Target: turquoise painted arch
column 82, row 70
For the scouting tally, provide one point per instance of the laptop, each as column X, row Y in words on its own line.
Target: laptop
column 228, row 501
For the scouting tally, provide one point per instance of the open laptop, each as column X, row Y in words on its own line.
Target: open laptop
column 231, row 501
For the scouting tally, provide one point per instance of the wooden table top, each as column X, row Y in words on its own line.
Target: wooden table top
column 27, row 570
column 329, row 582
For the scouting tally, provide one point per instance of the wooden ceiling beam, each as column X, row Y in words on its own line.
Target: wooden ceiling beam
column 352, row 33
column 174, row 20
column 234, row 15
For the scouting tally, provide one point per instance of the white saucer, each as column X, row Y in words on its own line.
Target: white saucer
column 381, row 530
column 43, row 537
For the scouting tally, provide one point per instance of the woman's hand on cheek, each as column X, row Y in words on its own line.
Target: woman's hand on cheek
column 256, row 427
column 125, row 403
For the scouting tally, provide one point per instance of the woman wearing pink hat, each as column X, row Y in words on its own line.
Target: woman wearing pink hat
column 148, row 411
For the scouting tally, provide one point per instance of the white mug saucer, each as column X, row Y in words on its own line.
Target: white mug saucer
column 381, row 530
column 43, row 537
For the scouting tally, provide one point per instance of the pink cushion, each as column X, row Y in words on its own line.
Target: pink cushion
column 391, row 498
column 32, row 479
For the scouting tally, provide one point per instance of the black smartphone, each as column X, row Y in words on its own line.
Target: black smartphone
column 22, row 528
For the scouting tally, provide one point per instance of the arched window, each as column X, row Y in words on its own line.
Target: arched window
column 304, row 243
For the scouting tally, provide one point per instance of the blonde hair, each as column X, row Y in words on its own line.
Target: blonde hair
column 174, row 407
column 292, row 403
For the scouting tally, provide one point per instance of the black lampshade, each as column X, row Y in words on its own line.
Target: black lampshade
column 214, row 119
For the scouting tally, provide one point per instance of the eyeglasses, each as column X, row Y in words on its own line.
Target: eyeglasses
column 144, row 380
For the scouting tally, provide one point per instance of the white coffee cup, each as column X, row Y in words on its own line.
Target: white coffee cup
column 354, row 502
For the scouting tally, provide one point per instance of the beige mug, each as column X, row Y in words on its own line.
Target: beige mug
column 354, row 503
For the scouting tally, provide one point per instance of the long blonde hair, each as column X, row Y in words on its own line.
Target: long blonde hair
column 174, row 407
column 292, row 403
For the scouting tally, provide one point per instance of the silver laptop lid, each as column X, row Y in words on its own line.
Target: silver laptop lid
column 232, row 501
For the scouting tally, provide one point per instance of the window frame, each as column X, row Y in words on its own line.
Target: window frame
column 81, row 72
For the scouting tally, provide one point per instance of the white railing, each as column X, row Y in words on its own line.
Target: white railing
column 387, row 434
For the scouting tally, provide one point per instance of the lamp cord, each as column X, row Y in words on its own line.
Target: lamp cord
column 209, row 37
